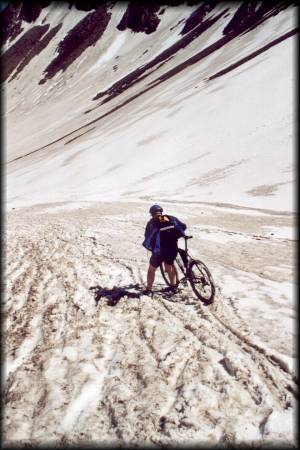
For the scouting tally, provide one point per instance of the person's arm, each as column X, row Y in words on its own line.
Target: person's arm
column 147, row 229
column 146, row 243
column 181, row 225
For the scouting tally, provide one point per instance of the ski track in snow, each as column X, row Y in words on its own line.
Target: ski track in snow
column 156, row 371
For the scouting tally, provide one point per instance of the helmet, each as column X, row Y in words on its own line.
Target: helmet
column 154, row 209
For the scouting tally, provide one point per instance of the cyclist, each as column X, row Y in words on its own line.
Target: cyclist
column 161, row 235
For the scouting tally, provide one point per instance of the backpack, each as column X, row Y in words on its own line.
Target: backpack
column 163, row 233
column 169, row 233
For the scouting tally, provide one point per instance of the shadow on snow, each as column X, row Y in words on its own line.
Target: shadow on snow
column 114, row 294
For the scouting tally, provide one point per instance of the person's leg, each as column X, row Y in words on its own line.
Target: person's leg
column 154, row 263
column 171, row 271
column 150, row 277
column 169, row 256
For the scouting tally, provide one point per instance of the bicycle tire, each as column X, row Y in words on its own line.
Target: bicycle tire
column 166, row 278
column 201, row 281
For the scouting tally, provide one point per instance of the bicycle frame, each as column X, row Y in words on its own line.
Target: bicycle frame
column 185, row 258
column 195, row 272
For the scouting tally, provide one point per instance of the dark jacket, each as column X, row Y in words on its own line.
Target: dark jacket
column 153, row 236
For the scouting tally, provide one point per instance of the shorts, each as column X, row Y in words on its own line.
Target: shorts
column 168, row 256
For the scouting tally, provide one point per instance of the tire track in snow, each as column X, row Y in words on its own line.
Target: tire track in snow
column 91, row 393
column 280, row 389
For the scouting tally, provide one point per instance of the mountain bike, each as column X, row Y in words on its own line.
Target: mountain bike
column 194, row 271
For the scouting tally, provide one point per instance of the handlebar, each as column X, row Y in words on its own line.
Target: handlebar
column 187, row 237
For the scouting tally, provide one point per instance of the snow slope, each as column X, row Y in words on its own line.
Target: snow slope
column 90, row 359
column 227, row 139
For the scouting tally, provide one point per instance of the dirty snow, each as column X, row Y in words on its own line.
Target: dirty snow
column 144, row 370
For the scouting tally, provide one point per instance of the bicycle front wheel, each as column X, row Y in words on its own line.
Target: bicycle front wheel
column 201, row 281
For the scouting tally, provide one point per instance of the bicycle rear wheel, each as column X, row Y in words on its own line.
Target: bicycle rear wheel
column 166, row 277
column 201, row 281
